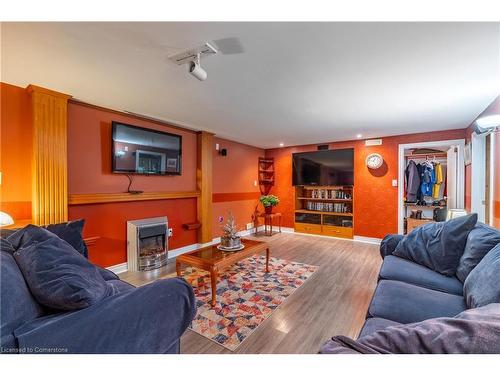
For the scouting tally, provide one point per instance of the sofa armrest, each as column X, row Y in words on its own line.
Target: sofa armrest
column 149, row 319
column 389, row 244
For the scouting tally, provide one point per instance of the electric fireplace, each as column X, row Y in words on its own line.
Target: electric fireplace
column 147, row 243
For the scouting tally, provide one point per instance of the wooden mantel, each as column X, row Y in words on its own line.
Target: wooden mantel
column 75, row 199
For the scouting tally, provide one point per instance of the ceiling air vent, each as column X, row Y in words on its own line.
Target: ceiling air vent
column 373, row 142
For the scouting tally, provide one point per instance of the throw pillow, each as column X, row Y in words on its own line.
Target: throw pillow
column 482, row 286
column 70, row 231
column 438, row 246
column 480, row 241
column 56, row 274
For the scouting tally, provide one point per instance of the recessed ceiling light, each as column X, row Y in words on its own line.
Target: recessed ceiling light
column 359, row 135
column 282, row 144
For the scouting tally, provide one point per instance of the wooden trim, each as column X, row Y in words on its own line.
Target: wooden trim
column 204, row 185
column 42, row 90
column 232, row 197
column 134, row 115
column 96, row 198
column 49, row 166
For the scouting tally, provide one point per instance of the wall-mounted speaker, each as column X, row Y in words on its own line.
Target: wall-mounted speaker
column 223, row 152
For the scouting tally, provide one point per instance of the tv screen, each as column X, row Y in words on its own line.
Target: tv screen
column 145, row 151
column 328, row 167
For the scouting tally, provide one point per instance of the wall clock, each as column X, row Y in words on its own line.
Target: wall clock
column 374, row 161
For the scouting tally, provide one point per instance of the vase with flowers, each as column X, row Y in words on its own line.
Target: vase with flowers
column 269, row 201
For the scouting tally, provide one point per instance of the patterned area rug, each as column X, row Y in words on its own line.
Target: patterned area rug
column 246, row 296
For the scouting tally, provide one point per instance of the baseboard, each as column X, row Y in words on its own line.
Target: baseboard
column 373, row 240
column 118, row 268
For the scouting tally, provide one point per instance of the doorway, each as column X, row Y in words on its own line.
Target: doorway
column 448, row 153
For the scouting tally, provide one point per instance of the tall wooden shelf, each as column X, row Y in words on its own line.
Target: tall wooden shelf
column 266, row 175
column 325, row 210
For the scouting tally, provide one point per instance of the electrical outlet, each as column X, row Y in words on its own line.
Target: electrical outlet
column 170, row 232
column 255, row 183
column 394, row 183
column 250, row 226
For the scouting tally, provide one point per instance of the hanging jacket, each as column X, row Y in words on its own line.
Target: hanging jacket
column 412, row 181
column 439, row 180
column 428, row 180
column 420, row 169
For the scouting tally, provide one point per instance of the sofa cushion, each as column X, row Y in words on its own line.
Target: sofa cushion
column 17, row 305
column 481, row 239
column 482, row 286
column 399, row 269
column 438, row 246
column 58, row 276
column 375, row 324
column 406, row 303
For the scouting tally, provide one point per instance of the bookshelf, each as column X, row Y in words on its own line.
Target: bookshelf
column 324, row 210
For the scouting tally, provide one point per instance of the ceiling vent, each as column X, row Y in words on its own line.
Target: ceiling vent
column 373, row 142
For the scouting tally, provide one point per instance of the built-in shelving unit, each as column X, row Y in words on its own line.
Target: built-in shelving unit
column 325, row 210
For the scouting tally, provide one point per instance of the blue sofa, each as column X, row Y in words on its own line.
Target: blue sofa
column 416, row 309
column 408, row 292
column 149, row 319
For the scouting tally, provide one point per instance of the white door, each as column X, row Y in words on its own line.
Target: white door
column 478, row 179
column 451, row 177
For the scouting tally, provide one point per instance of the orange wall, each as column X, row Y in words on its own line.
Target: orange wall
column 375, row 199
column 233, row 183
column 89, row 154
column 496, row 186
column 16, row 147
column 89, row 171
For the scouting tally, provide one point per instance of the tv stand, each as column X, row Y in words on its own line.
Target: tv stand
column 324, row 210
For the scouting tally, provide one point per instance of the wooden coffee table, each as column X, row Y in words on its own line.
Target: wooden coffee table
column 213, row 260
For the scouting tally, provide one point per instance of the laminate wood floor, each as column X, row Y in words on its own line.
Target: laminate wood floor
column 332, row 302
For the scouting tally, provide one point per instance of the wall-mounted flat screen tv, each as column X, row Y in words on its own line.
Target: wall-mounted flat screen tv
column 145, row 151
column 328, row 167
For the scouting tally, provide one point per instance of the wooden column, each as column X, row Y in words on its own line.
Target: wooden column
column 204, row 185
column 49, row 166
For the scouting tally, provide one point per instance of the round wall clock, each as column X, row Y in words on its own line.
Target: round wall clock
column 374, row 161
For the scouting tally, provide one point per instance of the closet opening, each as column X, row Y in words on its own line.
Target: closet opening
column 431, row 181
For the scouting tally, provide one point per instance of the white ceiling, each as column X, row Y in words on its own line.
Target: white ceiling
column 295, row 83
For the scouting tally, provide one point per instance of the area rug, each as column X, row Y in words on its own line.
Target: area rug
column 246, row 297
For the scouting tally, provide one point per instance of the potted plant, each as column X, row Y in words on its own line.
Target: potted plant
column 269, row 201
